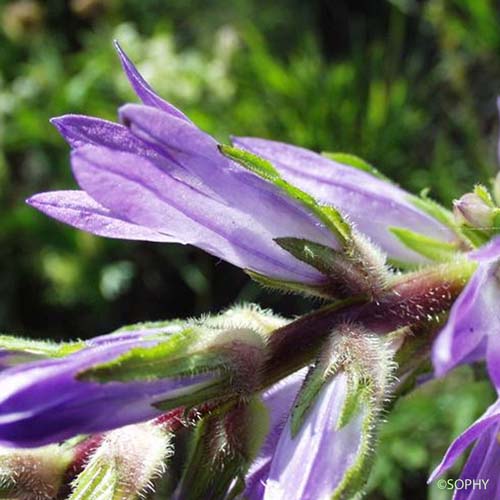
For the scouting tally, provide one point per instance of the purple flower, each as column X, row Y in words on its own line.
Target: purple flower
column 44, row 401
column 483, row 462
column 473, row 333
column 157, row 177
column 373, row 205
column 160, row 178
column 312, row 464
column 473, row 328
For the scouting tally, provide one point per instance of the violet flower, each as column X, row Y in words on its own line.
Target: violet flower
column 483, row 462
column 472, row 333
column 313, row 464
column 159, row 178
column 44, row 401
column 473, row 328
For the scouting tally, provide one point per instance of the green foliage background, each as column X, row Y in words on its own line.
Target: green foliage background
column 409, row 85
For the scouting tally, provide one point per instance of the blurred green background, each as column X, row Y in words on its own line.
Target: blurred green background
column 408, row 85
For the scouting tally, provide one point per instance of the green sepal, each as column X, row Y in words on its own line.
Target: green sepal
column 222, row 447
column 165, row 359
column 289, row 286
column 124, row 465
column 323, row 258
column 484, row 195
column 433, row 208
column 306, row 397
column 327, row 214
column 355, row 162
column 433, row 249
column 476, row 237
column 98, row 481
column 39, row 347
column 355, row 478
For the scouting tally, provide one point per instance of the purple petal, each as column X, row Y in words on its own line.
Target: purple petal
column 79, row 210
column 372, row 204
column 488, row 252
column 278, row 400
column 482, row 465
column 459, row 445
column 473, row 317
column 44, row 402
column 312, row 464
column 139, row 191
column 79, row 130
column 143, row 90
column 198, row 153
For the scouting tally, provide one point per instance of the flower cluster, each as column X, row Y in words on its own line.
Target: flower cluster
column 246, row 404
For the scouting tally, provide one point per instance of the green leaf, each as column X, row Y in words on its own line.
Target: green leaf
column 436, row 250
column 355, row 162
column 327, row 214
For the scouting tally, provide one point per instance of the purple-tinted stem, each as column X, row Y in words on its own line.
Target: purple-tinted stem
column 413, row 300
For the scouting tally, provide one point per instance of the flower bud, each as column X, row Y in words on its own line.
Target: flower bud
column 222, row 447
column 32, row 474
column 326, row 445
column 125, row 465
column 472, row 210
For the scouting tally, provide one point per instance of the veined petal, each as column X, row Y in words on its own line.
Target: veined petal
column 278, row 400
column 312, row 464
column 44, row 401
column 79, row 210
column 198, row 153
column 143, row 90
column 81, row 130
column 139, row 191
column 474, row 317
column 490, row 418
column 488, row 252
column 483, row 465
column 372, row 204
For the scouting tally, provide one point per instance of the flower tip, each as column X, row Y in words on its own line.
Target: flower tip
column 33, row 201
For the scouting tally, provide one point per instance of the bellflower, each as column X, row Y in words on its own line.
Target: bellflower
column 157, row 177
column 44, row 401
column 472, row 333
column 317, row 448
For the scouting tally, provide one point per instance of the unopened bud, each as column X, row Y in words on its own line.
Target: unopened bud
column 33, row 474
column 333, row 425
column 222, row 448
column 218, row 357
column 125, row 465
column 472, row 210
